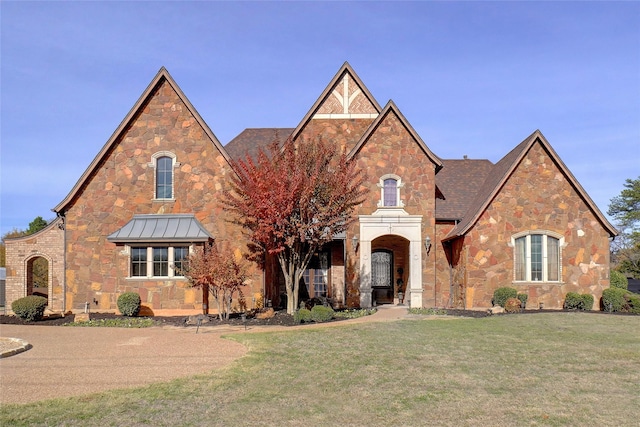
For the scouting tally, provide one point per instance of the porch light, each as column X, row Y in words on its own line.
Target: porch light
column 427, row 244
column 354, row 242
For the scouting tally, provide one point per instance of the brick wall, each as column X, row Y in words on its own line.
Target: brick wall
column 47, row 243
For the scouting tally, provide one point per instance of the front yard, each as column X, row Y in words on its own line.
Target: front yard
column 533, row 370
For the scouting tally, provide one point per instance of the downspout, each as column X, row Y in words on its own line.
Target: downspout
column 62, row 226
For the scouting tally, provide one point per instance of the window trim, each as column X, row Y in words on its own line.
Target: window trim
column 154, row 165
column 545, row 258
column 150, row 262
column 399, row 185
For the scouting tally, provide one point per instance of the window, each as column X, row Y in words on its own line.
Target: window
column 139, row 262
column 537, row 257
column 164, row 163
column 316, row 276
column 390, row 197
column 164, row 178
column 158, row 261
column 180, row 255
column 390, row 186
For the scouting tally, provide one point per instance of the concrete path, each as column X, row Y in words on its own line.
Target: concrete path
column 68, row 361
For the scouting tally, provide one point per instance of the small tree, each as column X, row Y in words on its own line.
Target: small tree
column 292, row 200
column 625, row 210
column 216, row 273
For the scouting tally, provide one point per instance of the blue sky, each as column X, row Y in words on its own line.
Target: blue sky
column 473, row 78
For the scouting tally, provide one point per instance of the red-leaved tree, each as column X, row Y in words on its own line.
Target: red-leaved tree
column 216, row 273
column 293, row 199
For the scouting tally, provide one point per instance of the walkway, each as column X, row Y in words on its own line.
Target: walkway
column 68, row 361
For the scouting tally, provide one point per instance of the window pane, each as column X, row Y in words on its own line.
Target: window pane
column 138, row 262
column 553, row 259
column 320, row 278
column 536, row 257
column 390, row 192
column 521, row 259
column 161, row 262
column 180, row 255
column 164, row 178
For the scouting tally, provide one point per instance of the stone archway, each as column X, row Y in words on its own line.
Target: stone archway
column 392, row 223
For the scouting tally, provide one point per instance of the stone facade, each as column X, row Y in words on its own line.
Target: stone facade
column 538, row 197
column 455, row 259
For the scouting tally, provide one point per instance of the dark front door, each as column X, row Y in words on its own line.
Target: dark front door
column 382, row 276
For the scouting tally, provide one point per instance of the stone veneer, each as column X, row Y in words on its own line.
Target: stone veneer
column 537, row 196
column 123, row 185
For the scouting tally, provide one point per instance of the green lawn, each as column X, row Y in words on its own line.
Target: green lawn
column 522, row 370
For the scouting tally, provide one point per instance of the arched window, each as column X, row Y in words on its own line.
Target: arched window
column 537, row 256
column 164, row 163
column 390, row 191
column 164, row 178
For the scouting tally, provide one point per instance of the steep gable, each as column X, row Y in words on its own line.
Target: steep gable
column 501, row 173
column 161, row 78
column 342, row 112
column 392, row 111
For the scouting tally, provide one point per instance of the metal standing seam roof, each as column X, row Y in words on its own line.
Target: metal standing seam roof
column 161, row 228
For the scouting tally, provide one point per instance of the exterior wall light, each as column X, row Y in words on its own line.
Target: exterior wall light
column 354, row 242
column 427, row 244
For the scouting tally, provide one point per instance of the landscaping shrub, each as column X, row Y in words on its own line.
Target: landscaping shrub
column 573, row 301
column 320, row 313
column 587, row 301
column 302, row 315
column 29, row 308
column 501, row 295
column 618, row 280
column 512, row 305
column 129, row 304
column 523, row 299
column 617, row 299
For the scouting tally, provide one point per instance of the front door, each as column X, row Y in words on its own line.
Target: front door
column 382, row 276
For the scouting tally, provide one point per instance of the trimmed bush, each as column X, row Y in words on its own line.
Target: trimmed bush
column 501, row 295
column 573, row 301
column 320, row 313
column 523, row 299
column 129, row 304
column 618, row 280
column 587, row 301
column 512, row 305
column 613, row 299
column 29, row 308
column 302, row 315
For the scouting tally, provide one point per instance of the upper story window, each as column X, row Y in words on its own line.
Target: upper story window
column 164, row 178
column 164, row 163
column 537, row 256
column 390, row 186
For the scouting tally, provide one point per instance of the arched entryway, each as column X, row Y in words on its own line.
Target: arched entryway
column 389, row 267
column 397, row 233
column 38, row 277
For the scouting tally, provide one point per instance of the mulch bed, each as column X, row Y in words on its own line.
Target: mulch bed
column 281, row 318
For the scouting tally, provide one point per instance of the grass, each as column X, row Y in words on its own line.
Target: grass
column 532, row 370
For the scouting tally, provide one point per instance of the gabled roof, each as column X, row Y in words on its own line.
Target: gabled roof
column 501, row 173
column 458, row 183
column 388, row 109
column 345, row 69
column 162, row 76
column 161, row 228
column 250, row 141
